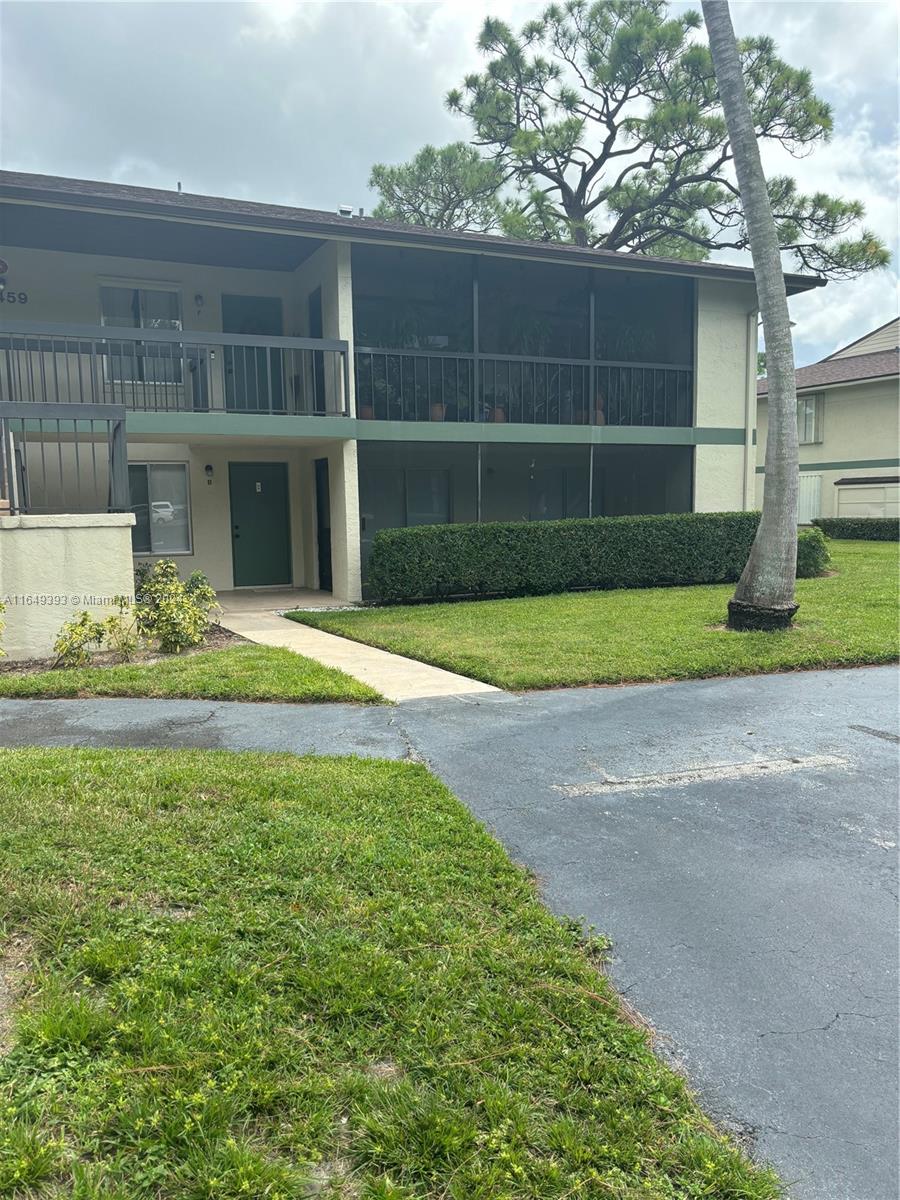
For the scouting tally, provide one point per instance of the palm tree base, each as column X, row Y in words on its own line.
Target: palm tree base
column 744, row 616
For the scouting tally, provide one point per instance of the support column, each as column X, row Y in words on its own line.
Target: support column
column 478, row 484
column 344, row 329
column 343, row 480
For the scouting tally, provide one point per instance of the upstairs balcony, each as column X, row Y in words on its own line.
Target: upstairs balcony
column 166, row 370
column 480, row 340
column 405, row 385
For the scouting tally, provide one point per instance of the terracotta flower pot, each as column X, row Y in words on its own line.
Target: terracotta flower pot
column 366, row 412
column 498, row 415
column 438, row 411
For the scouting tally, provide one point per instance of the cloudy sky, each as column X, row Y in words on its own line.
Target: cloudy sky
column 291, row 102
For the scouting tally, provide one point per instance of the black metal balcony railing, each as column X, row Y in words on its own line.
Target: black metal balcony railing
column 165, row 370
column 421, row 385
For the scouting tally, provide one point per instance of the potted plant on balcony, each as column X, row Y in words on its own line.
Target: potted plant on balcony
column 497, row 412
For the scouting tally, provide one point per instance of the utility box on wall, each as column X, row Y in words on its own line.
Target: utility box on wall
column 54, row 566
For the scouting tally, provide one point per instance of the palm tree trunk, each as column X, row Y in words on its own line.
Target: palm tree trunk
column 764, row 596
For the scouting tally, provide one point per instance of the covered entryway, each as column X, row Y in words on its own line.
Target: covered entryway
column 260, row 524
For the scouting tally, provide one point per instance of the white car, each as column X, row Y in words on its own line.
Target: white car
column 162, row 512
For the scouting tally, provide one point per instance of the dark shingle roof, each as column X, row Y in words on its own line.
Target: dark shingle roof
column 91, row 193
column 829, row 371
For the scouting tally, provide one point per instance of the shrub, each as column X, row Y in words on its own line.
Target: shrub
column 120, row 629
column 872, row 529
column 538, row 557
column 175, row 614
column 81, row 631
column 812, row 553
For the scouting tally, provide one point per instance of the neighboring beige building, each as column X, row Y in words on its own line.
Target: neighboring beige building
column 291, row 381
column 848, row 415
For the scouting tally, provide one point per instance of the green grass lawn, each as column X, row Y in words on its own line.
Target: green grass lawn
column 266, row 976
column 245, row 672
column 845, row 618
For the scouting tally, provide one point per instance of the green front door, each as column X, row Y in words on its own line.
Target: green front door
column 260, row 524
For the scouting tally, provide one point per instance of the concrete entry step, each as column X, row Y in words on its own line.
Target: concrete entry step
column 395, row 677
column 244, row 600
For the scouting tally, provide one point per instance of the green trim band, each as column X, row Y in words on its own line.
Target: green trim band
column 848, row 465
column 198, row 425
column 275, row 425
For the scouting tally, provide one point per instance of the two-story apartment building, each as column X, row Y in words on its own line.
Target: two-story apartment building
column 848, row 420
column 294, row 380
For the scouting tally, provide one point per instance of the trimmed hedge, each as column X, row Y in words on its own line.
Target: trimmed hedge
column 532, row 558
column 869, row 529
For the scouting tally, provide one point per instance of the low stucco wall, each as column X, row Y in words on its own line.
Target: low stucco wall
column 54, row 566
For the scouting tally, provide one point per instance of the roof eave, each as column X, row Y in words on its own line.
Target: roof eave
column 356, row 229
column 836, row 383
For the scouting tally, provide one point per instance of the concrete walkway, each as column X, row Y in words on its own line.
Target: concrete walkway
column 395, row 677
column 735, row 838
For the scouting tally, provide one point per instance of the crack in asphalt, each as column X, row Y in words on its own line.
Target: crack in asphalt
column 411, row 751
column 818, row 1028
column 878, row 733
column 176, row 723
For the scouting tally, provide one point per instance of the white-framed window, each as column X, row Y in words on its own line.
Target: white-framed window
column 161, row 503
column 141, row 306
column 810, row 414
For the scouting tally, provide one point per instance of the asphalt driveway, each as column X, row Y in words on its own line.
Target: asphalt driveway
column 737, row 839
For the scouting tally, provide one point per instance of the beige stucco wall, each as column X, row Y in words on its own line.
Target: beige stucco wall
column 725, row 394
column 52, row 567
column 210, row 509
column 861, row 429
column 722, row 312
column 65, row 287
column 719, row 479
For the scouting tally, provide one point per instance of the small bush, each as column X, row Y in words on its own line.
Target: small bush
column 868, row 529
column 120, row 629
column 812, row 553
column 73, row 642
column 170, row 612
column 532, row 558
